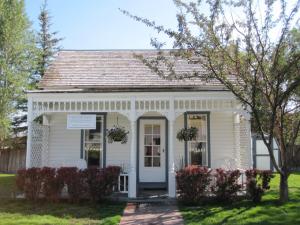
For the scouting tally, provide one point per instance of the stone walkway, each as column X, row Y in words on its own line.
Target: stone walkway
column 151, row 213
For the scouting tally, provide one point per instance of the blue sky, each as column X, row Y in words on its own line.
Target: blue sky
column 98, row 24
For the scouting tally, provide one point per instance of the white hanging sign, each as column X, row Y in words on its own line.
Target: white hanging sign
column 75, row 121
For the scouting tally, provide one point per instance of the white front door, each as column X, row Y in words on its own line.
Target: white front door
column 152, row 152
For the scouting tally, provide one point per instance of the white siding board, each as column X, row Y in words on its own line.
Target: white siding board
column 64, row 144
column 116, row 153
column 179, row 145
column 222, row 139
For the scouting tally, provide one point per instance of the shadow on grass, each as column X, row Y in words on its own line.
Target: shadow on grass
column 225, row 220
column 269, row 211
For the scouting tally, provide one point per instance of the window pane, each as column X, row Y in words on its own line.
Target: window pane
column 93, row 144
column 202, row 130
column 156, row 150
column 148, row 161
column 148, row 139
column 156, row 140
column 98, row 125
column 156, row 129
column 261, row 148
column 196, row 158
column 122, row 178
column 92, row 147
column 263, row 162
column 148, row 129
column 197, row 153
column 92, row 152
column 198, row 146
column 156, row 161
column 92, row 136
column 197, row 149
column 148, row 151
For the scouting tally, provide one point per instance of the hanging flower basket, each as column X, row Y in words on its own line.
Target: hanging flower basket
column 117, row 134
column 187, row 134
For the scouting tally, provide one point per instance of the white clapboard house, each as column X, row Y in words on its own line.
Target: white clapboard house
column 85, row 93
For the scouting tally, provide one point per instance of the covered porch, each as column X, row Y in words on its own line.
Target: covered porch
column 152, row 153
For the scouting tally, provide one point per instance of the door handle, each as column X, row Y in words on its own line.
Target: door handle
column 163, row 150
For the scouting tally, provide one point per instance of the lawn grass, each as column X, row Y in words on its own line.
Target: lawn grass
column 269, row 211
column 7, row 185
column 23, row 212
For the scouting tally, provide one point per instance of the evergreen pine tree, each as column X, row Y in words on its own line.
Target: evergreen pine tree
column 48, row 43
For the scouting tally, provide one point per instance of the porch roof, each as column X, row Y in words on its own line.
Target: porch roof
column 115, row 70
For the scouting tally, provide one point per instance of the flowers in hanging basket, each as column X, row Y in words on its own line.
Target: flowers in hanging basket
column 117, row 134
column 187, row 134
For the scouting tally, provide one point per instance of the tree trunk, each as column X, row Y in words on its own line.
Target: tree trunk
column 284, row 189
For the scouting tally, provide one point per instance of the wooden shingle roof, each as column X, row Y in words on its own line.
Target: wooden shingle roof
column 114, row 69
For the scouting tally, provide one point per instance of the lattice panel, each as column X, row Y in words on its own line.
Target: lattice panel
column 45, row 150
column 39, row 145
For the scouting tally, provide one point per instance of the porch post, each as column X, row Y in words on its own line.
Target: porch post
column 29, row 133
column 132, row 171
column 171, row 180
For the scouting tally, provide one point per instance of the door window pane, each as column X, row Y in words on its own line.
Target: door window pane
column 148, row 151
column 156, row 150
column 156, row 140
column 152, row 145
column 148, row 129
column 148, row 161
column 156, row 129
column 148, row 139
column 156, row 162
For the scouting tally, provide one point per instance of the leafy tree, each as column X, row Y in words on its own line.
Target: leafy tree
column 17, row 54
column 47, row 42
column 47, row 46
column 248, row 47
column 295, row 38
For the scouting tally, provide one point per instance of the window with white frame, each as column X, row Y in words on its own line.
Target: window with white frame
column 197, row 149
column 93, row 144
